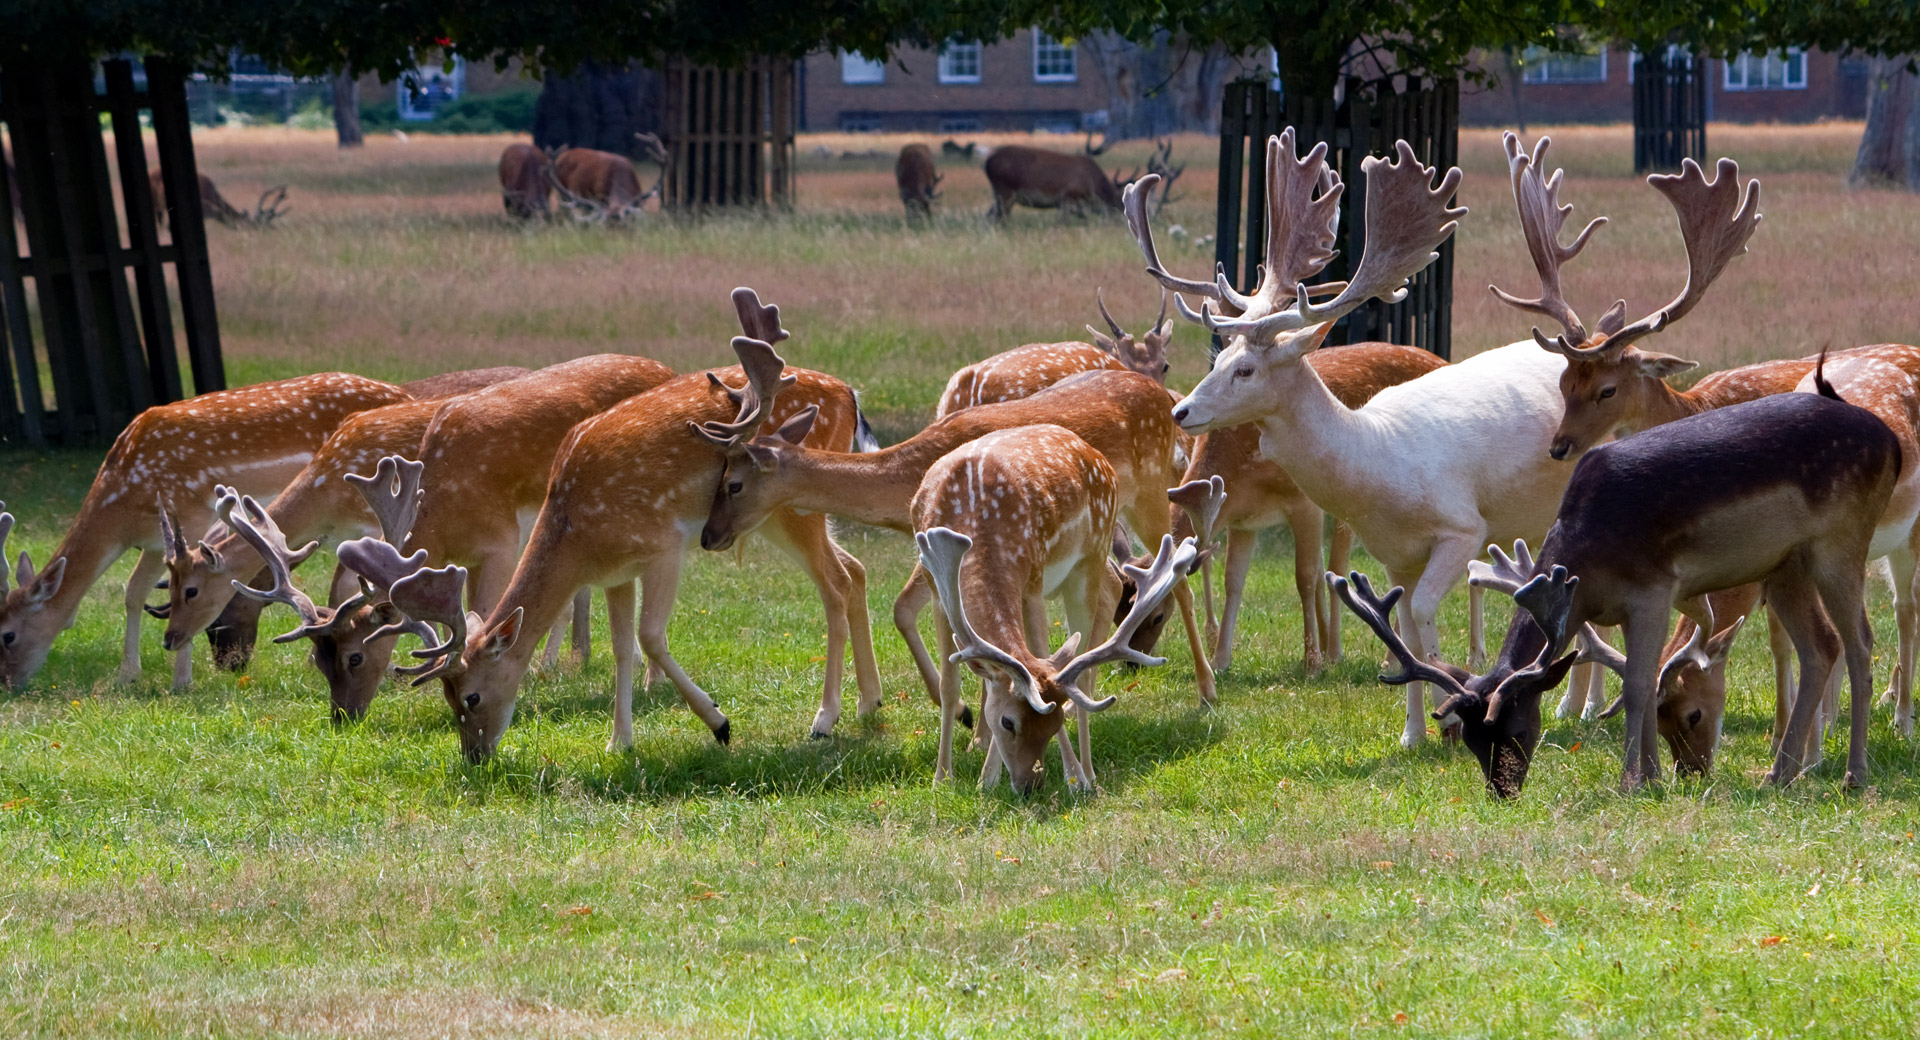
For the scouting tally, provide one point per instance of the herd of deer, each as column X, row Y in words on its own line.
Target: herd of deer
column 1037, row 177
column 595, row 186
column 473, row 510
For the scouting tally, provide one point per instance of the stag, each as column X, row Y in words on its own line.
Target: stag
column 271, row 207
column 525, row 188
column 598, row 187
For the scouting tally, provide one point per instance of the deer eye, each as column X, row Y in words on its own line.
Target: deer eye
column 473, row 700
column 1606, row 393
column 7, row 639
column 191, row 592
column 1165, row 367
column 1693, row 717
column 1243, row 372
column 1006, row 723
column 356, row 660
column 736, row 486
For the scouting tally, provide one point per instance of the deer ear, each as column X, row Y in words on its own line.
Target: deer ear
column 383, row 614
column 504, row 634
column 1660, row 366
column 763, row 459
column 1721, row 644
column 795, row 430
column 47, row 585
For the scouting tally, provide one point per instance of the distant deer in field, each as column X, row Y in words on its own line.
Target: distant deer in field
column 1042, row 179
column 271, row 207
column 915, row 174
column 600, row 186
column 524, row 187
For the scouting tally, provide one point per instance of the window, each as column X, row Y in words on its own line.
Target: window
column 1539, row 65
column 961, row 124
column 856, row 69
column 1052, row 60
column 1781, row 70
column 960, row 63
column 860, row 124
column 428, row 88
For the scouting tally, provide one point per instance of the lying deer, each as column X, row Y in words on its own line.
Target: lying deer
column 628, row 488
column 170, row 458
column 1038, row 504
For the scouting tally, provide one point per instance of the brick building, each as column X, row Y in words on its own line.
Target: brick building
column 1790, row 86
column 1028, row 82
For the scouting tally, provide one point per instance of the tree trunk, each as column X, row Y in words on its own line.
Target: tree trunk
column 1890, row 147
column 346, row 109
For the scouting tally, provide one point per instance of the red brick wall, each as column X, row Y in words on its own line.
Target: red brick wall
column 1830, row 93
column 913, row 98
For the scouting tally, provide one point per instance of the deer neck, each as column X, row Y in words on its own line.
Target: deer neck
column 1330, row 450
column 97, row 539
column 1665, row 404
column 874, row 488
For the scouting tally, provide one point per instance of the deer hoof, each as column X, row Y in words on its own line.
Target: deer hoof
column 811, row 735
column 724, row 732
column 1855, row 781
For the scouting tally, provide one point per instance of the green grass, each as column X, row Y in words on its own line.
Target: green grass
column 224, row 860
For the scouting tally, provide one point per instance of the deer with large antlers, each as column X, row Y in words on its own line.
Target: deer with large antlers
column 1035, row 505
column 1122, row 414
column 170, row 458
column 628, row 489
column 1428, row 470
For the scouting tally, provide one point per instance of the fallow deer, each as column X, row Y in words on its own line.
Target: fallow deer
column 1036, row 505
column 1122, row 414
column 171, row 457
column 271, row 207
column 917, row 178
column 525, row 190
column 629, row 487
column 1026, row 370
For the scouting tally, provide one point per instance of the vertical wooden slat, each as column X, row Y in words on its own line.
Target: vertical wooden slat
column 73, row 288
column 19, row 86
column 172, row 134
column 150, row 276
column 26, row 417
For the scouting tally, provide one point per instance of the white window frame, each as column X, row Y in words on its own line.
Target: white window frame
column 947, row 75
column 857, row 70
column 1043, row 42
column 1536, row 70
column 1747, row 63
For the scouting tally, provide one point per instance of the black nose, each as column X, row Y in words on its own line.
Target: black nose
column 714, row 541
column 168, row 642
column 1180, row 415
column 1560, row 449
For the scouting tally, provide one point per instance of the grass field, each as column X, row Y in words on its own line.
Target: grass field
column 223, row 861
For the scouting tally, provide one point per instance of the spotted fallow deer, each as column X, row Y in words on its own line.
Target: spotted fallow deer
column 1027, row 370
column 1036, row 506
column 1122, row 414
column 628, row 489
column 171, row 457
column 1427, row 471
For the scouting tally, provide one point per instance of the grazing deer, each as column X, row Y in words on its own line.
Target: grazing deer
column 1026, row 370
column 270, row 207
column 1024, row 176
column 1427, row 469
column 917, row 178
column 525, row 189
column 1038, row 503
column 170, row 458
column 600, row 186
column 1122, row 414
column 628, row 488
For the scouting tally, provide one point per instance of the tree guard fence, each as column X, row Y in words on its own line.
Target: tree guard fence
column 1365, row 120
column 1669, row 109
column 730, row 134
column 103, row 353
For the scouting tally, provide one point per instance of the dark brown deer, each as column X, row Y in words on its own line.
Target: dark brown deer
column 915, row 174
column 1036, row 177
column 271, row 207
column 524, row 188
column 601, row 186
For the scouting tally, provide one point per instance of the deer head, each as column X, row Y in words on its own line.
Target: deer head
column 1024, row 692
column 753, row 463
column 1609, row 383
column 27, row 627
column 1148, row 354
column 1275, row 327
column 192, row 571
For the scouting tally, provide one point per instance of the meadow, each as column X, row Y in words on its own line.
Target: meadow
column 225, row 861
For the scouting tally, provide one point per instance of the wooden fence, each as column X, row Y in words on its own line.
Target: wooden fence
column 730, row 134
column 101, row 366
column 1366, row 120
column 1669, row 110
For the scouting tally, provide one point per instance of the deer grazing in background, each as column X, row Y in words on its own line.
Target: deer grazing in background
column 1023, row 176
column 525, row 187
column 271, row 207
column 170, row 458
column 598, row 187
column 629, row 487
column 917, row 179
column 1027, row 370
column 1121, row 414
column 1036, row 505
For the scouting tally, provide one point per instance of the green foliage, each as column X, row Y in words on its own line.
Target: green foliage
column 503, row 112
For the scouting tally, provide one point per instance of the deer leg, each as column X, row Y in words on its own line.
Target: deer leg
column 1307, row 522
column 1780, row 646
column 1446, row 564
column 1791, row 592
column 550, row 655
column 146, row 574
column 947, row 683
column 906, row 615
column 1646, row 634
column 1842, row 588
column 583, row 626
column 804, row 538
column 1908, row 610
column 620, row 610
column 866, row 668
column 659, row 584
column 1240, row 547
column 1476, row 629
column 1339, row 555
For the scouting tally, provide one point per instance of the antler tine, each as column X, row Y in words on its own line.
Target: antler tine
column 757, row 321
column 6, row 528
column 1202, row 501
column 434, row 595
column 765, row 379
column 379, row 561
column 1301, row 229
column 258, row 529
column 1100, row 297
column 264, row 212
column 1549, row 598
column 595, row 211
column 393, row 493
column 1407, row 220
column 1506, row 573
column 1357, row 593
column 941, row 550
column 1541, row 218
column 1716, row 219
column 173, row 542
column 1134, row 201
column 1594, row 649
column 1152, row 585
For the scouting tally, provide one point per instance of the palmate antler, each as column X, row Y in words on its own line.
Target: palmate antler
column 245, row 517
column 941, row 551
column 1716, row 220
column 6, row 528
column 1152, row 585
column 1541, row 219
column 1356, row 591
column 766, row 377
column 393, row 493
column 1506, row 573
